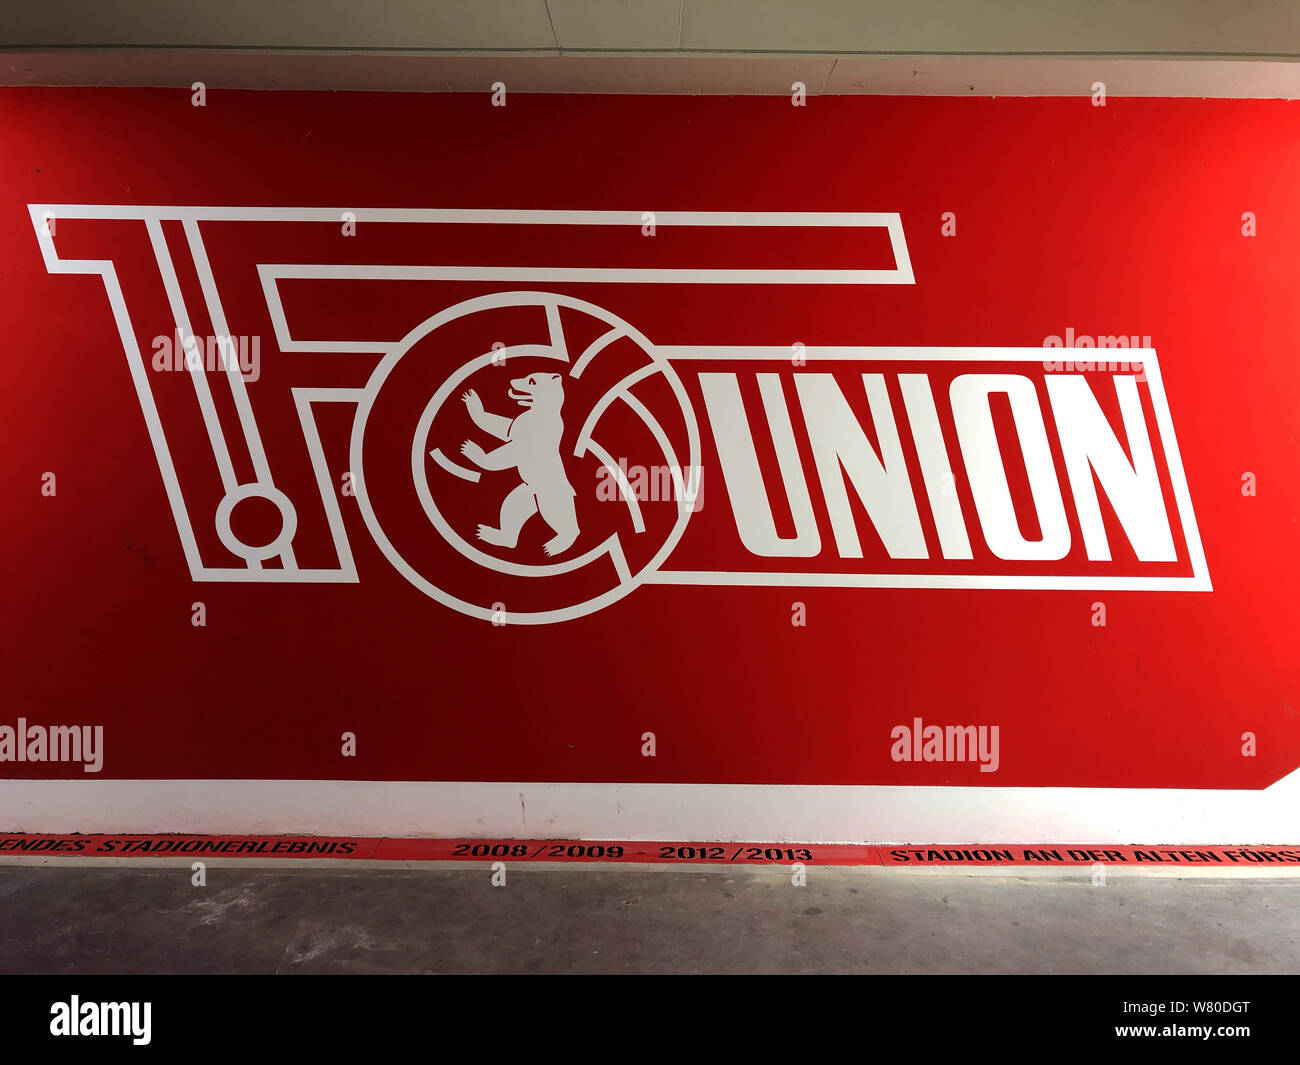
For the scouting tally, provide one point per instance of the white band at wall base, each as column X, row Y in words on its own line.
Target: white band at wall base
column 796, row 813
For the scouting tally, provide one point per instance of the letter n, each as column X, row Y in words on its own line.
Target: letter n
column 1094, row 455
column 840, row 447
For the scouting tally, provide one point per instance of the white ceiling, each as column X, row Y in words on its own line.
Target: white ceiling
column 1257, row 28
column 945, row 47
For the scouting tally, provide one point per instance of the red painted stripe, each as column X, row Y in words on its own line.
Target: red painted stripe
column 150, row 846
column 1021, row 854
column 912, row 855
column 575, row 850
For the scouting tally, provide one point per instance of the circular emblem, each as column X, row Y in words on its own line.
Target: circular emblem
column 525, row 457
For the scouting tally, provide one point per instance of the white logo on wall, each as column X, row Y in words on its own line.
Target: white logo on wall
column 532, row 450
column 500, row 455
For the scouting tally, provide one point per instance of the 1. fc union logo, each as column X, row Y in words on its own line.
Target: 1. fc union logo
column 519, row 453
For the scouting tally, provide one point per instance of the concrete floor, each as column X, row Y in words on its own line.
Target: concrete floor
column 596, row 919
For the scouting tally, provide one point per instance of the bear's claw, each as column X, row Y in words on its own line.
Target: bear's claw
column 489, row 535
column 560, row 543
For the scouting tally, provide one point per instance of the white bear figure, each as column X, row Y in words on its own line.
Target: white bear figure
column 533, row 448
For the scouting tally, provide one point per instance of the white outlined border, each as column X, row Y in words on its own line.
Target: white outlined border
column 271, row 273
column 1198, row 581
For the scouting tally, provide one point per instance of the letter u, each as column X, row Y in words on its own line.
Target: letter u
column 750, row 504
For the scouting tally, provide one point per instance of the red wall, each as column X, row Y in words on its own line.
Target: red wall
column 1118, row 220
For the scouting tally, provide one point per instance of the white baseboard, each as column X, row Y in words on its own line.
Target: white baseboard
column 740, row 812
